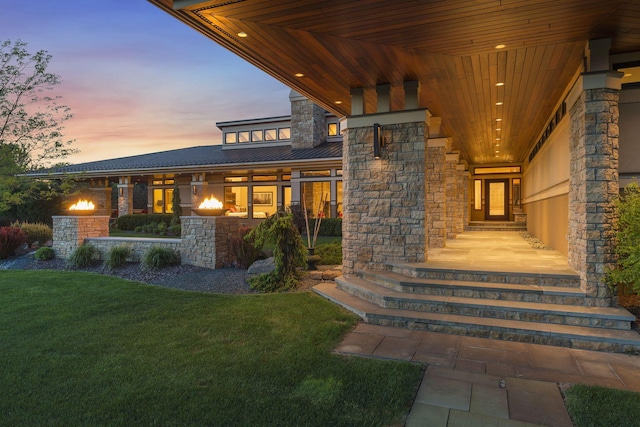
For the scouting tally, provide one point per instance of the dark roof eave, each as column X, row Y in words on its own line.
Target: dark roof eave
column 189, row 168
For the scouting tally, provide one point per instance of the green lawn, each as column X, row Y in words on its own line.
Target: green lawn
column 82, row 349
column 593, row 406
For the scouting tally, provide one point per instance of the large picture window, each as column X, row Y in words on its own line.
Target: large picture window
column 314, row 193
column 236, row 201
column 264, row 200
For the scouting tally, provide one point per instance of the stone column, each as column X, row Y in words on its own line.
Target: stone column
column 125, row 196
column 593, row 181
column 463, row 197
column 435, row 191
column 205, row 240
column 451, row 191
column 69, row 232
column 384, row 205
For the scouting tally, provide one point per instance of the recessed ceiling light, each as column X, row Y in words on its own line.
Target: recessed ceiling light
column 627, row 75
column 501, row 46
column 499, row 103
column 497, row 145
column 242, row 34
column 498, row 128
column 498, row 139
column 338, row 102
column 299, row 75
column 498, row 120
column 500, row 84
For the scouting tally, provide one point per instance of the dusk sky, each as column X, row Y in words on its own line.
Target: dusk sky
column 136, row 79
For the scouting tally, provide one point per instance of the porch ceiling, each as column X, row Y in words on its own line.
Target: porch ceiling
column 449, row 46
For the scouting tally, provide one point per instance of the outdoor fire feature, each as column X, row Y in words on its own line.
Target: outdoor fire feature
column 82, row 207
column 210, row 207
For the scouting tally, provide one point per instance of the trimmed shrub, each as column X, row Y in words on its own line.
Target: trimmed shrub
column 117, row 257
column 11, row 238
column 175, row 229
column 36, row 232
column 330, row 253
column 242, row 250
column 45, row 253
column 84, row 256
column 328, row 226
column 158, row 257
column 130, row 222
column 627, row 228
column 161, row 228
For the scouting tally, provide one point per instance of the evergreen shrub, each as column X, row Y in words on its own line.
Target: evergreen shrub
column 130, row 222
column 627, row 236
column 44, row 253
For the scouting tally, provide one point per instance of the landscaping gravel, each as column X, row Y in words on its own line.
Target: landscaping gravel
column 185, row 277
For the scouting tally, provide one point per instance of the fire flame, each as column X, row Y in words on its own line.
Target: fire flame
column 210, row 203
column 82, row 205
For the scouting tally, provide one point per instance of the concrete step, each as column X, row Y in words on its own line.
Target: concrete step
column 602, row 339
column 495, row 226
column 470, row 289
column 532, row 276
column 563, row 314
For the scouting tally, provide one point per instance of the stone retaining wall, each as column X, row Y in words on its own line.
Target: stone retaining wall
column 204, row 241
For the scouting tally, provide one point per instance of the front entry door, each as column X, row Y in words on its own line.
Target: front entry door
column 497, row 199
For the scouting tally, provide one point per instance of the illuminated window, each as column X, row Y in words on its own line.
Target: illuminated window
column 306, row 174
column 230, row 138
column 339, row 198
column 332, row 129
column 243, row 136
column 286, row 177
column 477, row 194
column 169, row 181
column 256, row 136
column 236, row 201
column 262, row 178
column 284, row 133
column 313, row 194
column 286, row 197
column 501, row 169
column 236, row 179
column 264, row 201
column 270, row 135
column 156, row 182
column 158, row 200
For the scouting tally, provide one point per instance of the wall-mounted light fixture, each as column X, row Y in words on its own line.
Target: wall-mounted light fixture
column 121, row 191
column 378, row 140
column 195, row 189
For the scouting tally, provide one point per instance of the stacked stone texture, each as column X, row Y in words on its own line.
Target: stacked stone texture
column 308, row 124
column 205, row 240
column 101, row 198
column 452, row 197
column 138, row 246
column 384, row 204
column 125, row 201
column 70, row 232
column 593, row 187
column 435, row 195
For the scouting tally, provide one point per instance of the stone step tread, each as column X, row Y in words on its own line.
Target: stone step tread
column 366, row 309
column 403, row 280
column 613, row 313
column 499, row 270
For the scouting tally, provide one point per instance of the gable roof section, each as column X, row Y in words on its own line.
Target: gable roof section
column 198, row 158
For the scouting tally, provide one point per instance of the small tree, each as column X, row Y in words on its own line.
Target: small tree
column 289, row 252
column 627, row 239
column 177, row 209
column 30, row 121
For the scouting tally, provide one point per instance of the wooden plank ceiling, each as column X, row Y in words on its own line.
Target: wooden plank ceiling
column 449, row 46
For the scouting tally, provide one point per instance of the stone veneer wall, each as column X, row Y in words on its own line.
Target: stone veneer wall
column 205, row 239
column 593, row 185
column 138, row 246
column 125, row 200
column 70, row 232
column 435, row 192
column 384, row 204
column 462, row 218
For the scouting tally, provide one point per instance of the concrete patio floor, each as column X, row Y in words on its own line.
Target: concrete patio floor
column 483, row 382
